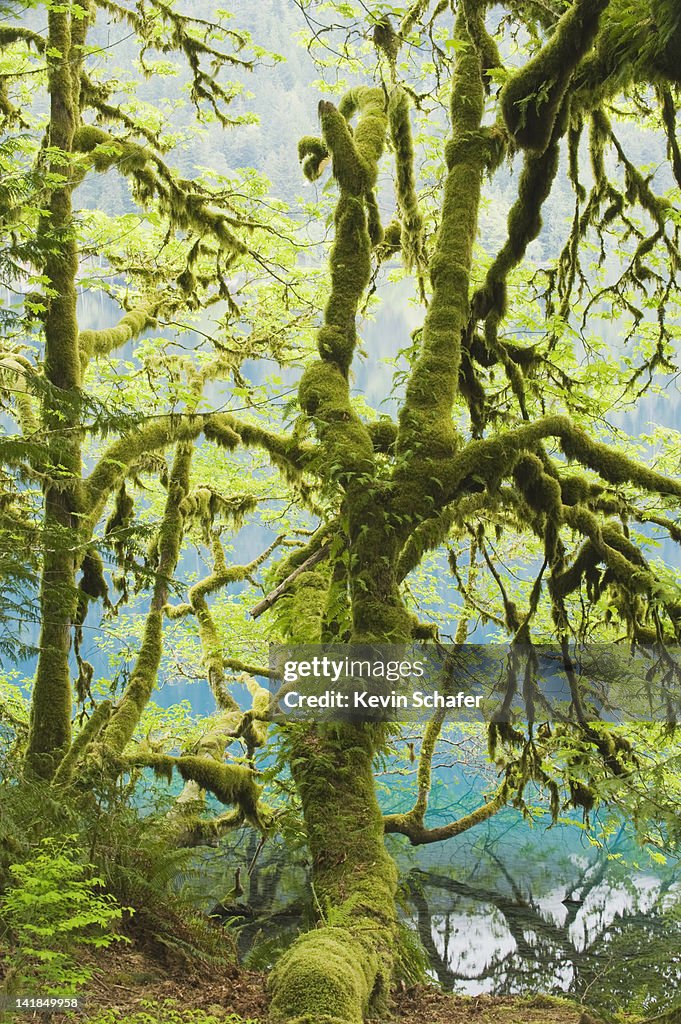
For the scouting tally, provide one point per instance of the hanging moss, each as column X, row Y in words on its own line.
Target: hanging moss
column 92, row 582
column 313, row 156
column 412, row 235
column 386, row 39
column 413, row 15
column 532, row 97
column 473, row 392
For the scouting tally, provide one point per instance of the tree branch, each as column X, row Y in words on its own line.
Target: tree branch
column 418, row 835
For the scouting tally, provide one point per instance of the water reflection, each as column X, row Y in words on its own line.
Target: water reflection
column 600, row 928
column 510, row 912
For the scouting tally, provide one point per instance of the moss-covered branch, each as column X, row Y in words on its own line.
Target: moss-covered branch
column 79, row 748
column 122, row 724
column 230, row 784
column 533, row 96
column 426, row 432
column 186, row 205
column 105, row 341
column 115, row 463
column 524, row 225
column 11, row 34
column 317, row 556
column 419, row 835
column 484, row 463
column 221, row 428
column 211, row 645
column 324, row 393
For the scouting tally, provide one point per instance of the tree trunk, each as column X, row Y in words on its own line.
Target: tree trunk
column 52, row 698
column 340, row 971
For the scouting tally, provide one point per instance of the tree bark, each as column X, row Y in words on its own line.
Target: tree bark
column 341, row 971
column 50, row 730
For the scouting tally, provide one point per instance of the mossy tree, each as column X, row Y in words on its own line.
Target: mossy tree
column 469, row 461
column 91, row 427
column 496, row 440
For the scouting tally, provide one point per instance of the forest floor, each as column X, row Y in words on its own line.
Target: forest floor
column 129, row 983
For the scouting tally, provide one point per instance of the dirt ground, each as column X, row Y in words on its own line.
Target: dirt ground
column 421, row 1005
column 128, row 978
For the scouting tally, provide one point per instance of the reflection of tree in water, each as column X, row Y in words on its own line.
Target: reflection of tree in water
column 608, row 938
column 594, row 926
column 262, row 892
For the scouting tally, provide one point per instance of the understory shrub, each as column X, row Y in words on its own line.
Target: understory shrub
column 53, row 908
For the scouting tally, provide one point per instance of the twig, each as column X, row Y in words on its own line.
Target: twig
column 275, row 594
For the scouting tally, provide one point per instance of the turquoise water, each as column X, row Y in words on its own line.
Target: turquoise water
column 510, row 907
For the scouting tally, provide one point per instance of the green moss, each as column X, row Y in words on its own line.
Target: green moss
column 300, row 610
column 343, row 968
column 126, row 716
column 323, row 394
column 327, row 970
column 383, row 434
column 103, row 342
column 542, row 493
column 50, row 727
column 87, row 735
column 533, row 96
column 230, row 784
column 576, row 489
column 92, row 582
column 143, row 678
column 426, row 432
column 412, row 237
column 313, row 156
column 386, row 39
column 524, row 224
column 635, row 44
column 88, row 136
